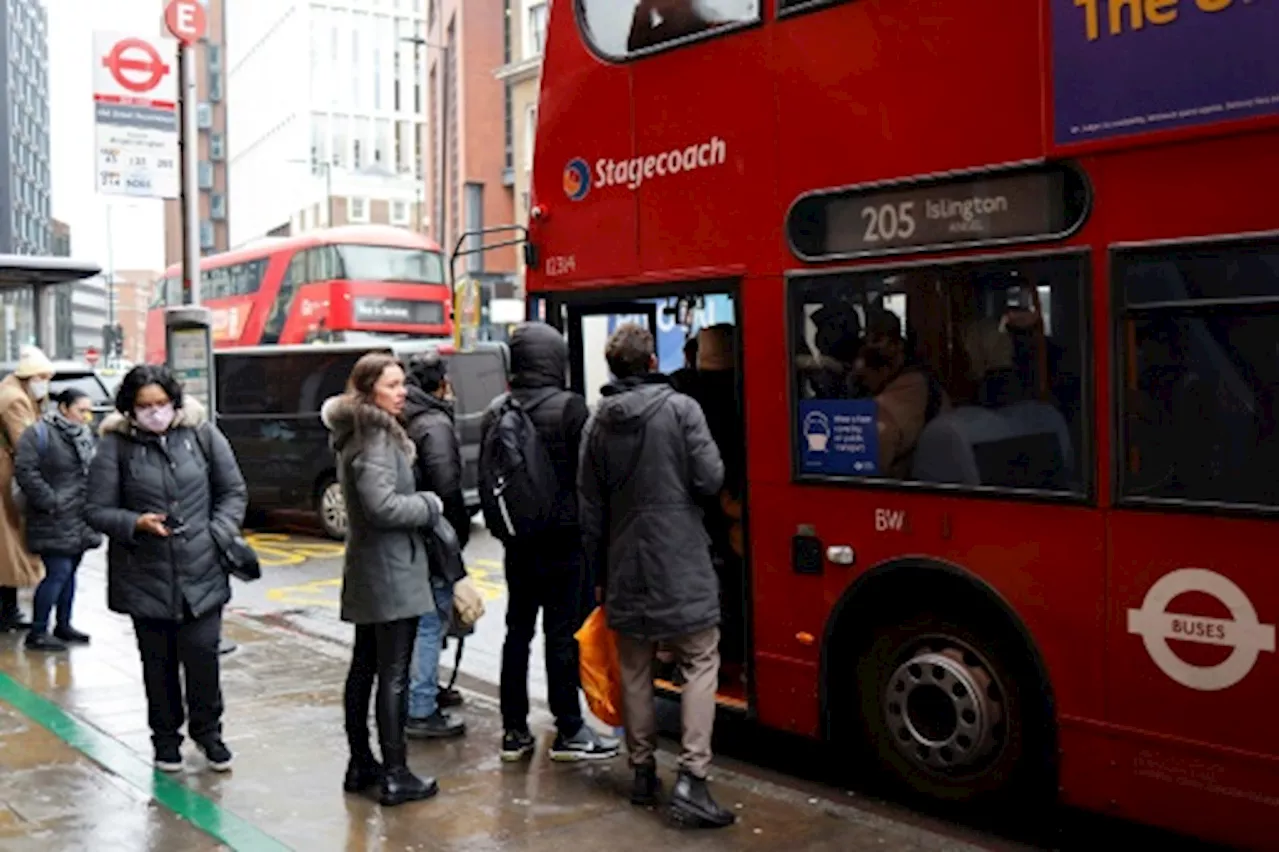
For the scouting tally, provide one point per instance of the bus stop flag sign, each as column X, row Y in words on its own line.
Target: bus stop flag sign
column 135, row 101
column 185, row 19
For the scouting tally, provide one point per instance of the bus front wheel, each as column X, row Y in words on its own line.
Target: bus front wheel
column 948, row 708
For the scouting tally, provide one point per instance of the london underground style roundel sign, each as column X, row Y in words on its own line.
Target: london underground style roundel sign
column 1242, row 632
column 135, row 65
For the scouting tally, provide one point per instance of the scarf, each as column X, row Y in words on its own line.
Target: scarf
column 78, row 434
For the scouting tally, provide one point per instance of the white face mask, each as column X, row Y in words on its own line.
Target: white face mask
column 39, row 388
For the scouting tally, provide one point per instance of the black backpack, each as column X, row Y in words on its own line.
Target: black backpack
column 518, row 484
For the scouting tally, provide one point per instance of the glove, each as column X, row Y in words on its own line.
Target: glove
column 468, row 603
column 435, row 502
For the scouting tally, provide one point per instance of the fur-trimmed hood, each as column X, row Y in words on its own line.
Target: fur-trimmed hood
column 191, row 415
column 348, row 419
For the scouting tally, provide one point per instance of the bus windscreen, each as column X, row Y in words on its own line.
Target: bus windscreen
column 380, row 263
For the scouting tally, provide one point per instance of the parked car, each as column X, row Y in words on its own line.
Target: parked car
column 101, row 391
column 269, row 399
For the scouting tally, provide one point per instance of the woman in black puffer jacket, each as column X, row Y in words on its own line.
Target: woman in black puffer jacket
column 165, row 488
column 52, row 469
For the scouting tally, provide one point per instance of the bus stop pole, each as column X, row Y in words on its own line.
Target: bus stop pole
column 189, row 329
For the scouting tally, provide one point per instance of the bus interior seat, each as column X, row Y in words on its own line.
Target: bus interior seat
column 1022, row 461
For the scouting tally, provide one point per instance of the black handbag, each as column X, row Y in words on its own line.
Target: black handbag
column 235, row 555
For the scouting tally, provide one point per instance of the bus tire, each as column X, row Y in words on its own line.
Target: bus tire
column 950, row 707
column 331, row 507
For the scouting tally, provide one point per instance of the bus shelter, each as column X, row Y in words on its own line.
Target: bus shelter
column 36, row 275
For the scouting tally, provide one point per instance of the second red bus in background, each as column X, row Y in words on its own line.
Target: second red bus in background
column 319, row 286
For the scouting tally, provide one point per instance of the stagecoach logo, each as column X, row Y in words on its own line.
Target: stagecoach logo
column 1242, row 632
column 577, row 179
column 631, row 173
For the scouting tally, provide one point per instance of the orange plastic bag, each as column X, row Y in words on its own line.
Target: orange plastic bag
column 598, row 668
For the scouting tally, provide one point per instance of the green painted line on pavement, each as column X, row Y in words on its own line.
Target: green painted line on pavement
column 110, row 753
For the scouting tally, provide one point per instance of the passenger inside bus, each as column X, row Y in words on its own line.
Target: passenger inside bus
column 907, row 396
column 716, row 390
column 660, row 21
column 1005, row 338
column 837, row 336
column 685, row 378
column 1007, row 436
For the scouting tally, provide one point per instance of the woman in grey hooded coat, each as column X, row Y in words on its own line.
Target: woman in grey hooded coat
column 386, row 586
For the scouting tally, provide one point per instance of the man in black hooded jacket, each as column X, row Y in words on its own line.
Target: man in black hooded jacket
column 428, row 414
column 544, row 571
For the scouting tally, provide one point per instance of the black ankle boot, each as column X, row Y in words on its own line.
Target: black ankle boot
column 362, row 773
column 10, row 616
column 646, row 787
column 692, row 805
column 399, row 785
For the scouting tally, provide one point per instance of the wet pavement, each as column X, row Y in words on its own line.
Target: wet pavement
column 75, row 774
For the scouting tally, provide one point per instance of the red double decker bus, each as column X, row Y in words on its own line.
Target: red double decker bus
column 1003, row 286
column 317, row 286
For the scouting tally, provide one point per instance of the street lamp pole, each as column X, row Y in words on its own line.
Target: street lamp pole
column 442, row 124
column 110, row 349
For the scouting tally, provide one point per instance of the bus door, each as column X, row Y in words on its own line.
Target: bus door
column 1192, row 617
column 675, row 320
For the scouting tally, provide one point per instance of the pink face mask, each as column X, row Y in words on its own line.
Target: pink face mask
column 157, row 419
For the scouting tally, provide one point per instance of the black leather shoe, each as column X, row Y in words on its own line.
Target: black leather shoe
column 71, row 636
column 646, row 786
column 362, row 773
column 692, row 805
column 44, row 642
column 400, row 786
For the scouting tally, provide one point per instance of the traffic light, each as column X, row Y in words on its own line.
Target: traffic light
column 113, row 340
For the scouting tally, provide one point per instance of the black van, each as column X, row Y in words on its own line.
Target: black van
column 269, row 400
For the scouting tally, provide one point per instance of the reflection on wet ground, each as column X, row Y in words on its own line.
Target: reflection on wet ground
column 284, row 721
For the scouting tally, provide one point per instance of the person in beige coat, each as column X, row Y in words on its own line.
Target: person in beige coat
column 21, row 393
column 907, row 398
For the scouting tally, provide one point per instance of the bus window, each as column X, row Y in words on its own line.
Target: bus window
column 376, row 263
column 945, row 374
column 322, row 264
column 216, row 283
column 618, row 30
column 294, row 276
column 1198, row 336
column 246, row 277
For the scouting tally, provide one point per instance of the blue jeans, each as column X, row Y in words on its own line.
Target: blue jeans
column 424, row 683
column 58, row 588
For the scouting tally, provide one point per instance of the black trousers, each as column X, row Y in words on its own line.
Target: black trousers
column 172, row 651
column 547, row 578
column 382, row 653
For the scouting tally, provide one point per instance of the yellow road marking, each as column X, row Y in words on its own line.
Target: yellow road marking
column 278, row 549
column 324, row 593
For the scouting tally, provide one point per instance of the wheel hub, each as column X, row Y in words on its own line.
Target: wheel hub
column 334, row 508
column 941, row 709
